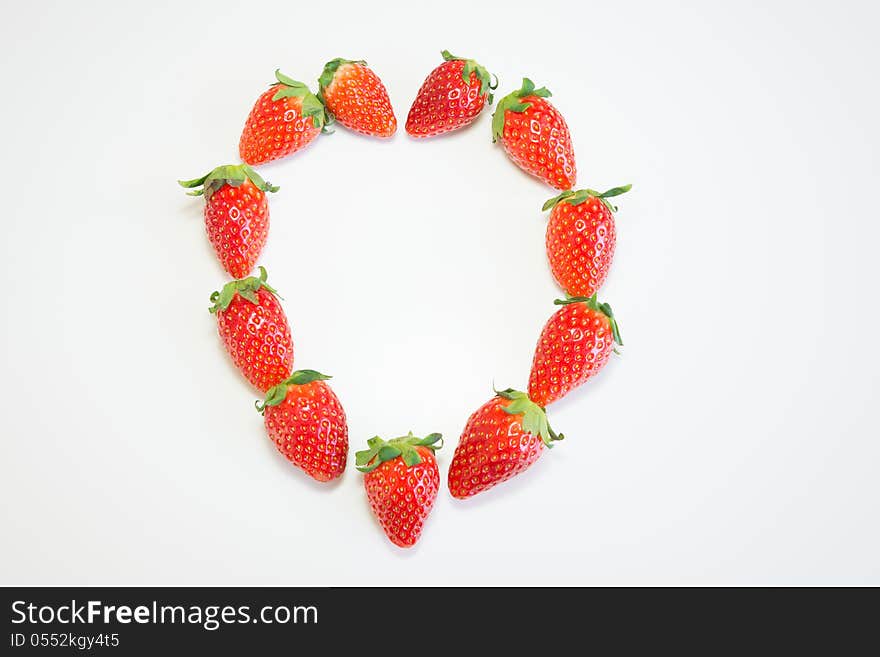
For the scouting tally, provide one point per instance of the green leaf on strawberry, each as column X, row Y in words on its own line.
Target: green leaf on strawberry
column 534, row 418
column 233, row 175
column 593, row 303
column 326, row 79
column 311, row 104
column 247, row 288
column 278, row 393
column 583, row 195
column 471, row 66
column 379, row 451
column 330, row 69
column 514, row 103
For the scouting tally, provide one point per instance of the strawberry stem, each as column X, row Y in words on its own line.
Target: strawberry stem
column 246, row 288
column 378, row 450
column 593, row 303
column 233, row 175
column 325, row 80
column 278, row 393
column 472, row 66
column 514, row 103
column 311, row 104
column 534, row 417
column 329, row 72
column 583, row 195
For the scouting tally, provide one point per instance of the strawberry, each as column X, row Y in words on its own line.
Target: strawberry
column 535, row 135
column 306, row 422
column 575, row 344
column 450, row 98
column 402, row 480
column 285, row 118
column 254, row 330
column 236, row 214
column 355, row 96
column 500, row 440
column 581, row 238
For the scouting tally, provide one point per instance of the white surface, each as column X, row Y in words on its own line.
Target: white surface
column 734, row 442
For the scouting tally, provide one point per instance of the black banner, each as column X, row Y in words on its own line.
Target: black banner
column 133, row 621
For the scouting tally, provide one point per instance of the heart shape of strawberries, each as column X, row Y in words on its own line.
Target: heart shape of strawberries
column 303, row 416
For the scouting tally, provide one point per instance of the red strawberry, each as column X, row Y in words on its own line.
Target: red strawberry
column 285, row 118
column 450, row 98
column 581, row 238
column 402, row 480
column 236, row 214
column 575, row 344
column 254, row 330
column 355, row 96
column 500, row 440
column 535, row 135
column 307, row 424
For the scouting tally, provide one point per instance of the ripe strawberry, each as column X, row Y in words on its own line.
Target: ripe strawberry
column 500, row 440
column 450, row 98
column 535, row 135
column 236, row 214
column 575, row 344
column 402, row 480
column 306, row 422
column 581, row 238
column 254, row 330
column 355, row 96
column 285, row 118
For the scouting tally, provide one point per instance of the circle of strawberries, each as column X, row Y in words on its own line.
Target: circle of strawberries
column 303, row 417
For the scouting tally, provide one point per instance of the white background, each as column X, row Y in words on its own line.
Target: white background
column 734, row 442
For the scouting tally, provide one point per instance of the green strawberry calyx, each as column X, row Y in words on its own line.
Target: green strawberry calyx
column 329, row 72
column 326, row 79
column 380, row 450
column 311, row 104
column 583, row 195
column 246, row 288
column 593, row 303
column 471, row 66
column 278, row 393
column 514, row 102
column 233, row 175
column 534, row 418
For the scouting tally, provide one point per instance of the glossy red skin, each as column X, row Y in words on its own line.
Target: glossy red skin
column 575, row 344
column 538, row 141
column 580, row 246
column 257, row 337
column 274, row 129
column 444, row 102
column 401, row 497
column 237, row 222
column 359, row 101
column 492, row 449
column 310, row 430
